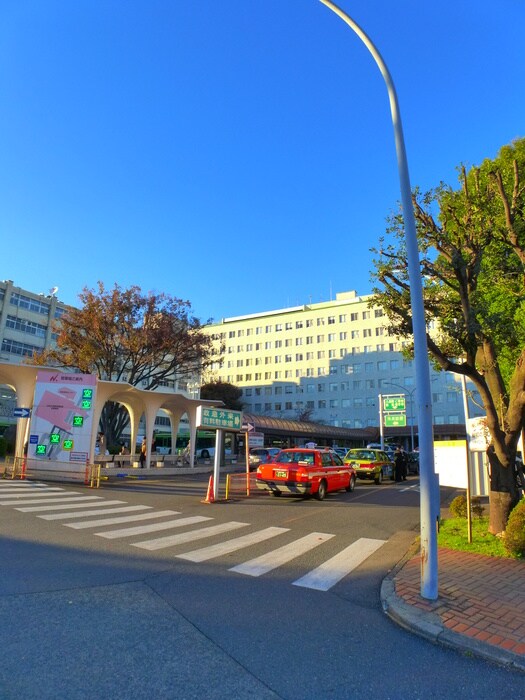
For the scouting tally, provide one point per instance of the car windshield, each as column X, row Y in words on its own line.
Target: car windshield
column 361, row 454
column 296, row 457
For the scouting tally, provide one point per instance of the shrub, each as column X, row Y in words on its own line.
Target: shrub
column 514, row 539
column 477, row 507
column 458, row 507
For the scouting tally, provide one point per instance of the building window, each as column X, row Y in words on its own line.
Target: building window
column 354, row 334
column 20, row 324
column 342, row 318
column 343, row 335
column 353, row 317
column 298, row 341
column 298, row 324
column 357, row 383
column 367, row 333
column 378, row 313
column 331, row 320
column 320, row 338
column 268, row 329
column 331, row 337
column 333, row 386
column 288, row 406
column 365, row 315
column 334, row 403
column 289, row 326
column 320, row 354
column 382, row 365
column 321, row 404
column 278, row 327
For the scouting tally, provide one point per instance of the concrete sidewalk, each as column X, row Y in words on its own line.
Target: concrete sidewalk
column 480, row 607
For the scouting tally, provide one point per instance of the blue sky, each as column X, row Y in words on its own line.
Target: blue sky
column 237, row 154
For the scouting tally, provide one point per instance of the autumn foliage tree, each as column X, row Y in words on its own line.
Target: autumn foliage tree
column 472, row 243
column 125, row 335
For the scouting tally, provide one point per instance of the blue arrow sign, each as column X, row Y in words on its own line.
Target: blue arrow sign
column 21, row 412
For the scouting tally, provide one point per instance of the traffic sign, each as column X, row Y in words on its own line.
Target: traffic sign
column 395, row 420
column 21, row 412
column 221, row 418
column 248, row 427
column 394, row 403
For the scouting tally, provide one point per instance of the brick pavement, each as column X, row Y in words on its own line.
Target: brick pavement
column 479, row 597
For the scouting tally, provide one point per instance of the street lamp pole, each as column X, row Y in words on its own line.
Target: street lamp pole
column 429, row 487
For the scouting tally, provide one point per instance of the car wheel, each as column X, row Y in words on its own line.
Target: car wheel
column 351, row 485
column 276, row 493
column 205, row 454
column 321, row 491
column 379, row 478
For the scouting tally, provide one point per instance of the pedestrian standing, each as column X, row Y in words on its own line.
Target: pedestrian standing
column 143, row 451
column 405, row 464
column 398, row 464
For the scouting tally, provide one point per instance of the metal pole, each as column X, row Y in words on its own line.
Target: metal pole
column 429, row 488
column 381, row 430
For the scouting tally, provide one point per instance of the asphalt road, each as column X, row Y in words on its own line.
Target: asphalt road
column 148, row 602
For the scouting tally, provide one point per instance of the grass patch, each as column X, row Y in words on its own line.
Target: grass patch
column 453, row 534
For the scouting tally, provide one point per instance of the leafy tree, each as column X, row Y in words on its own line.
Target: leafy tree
column 228, row 393
column 125, row 335
column 472, row 243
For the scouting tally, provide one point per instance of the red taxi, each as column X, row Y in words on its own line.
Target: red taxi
column 306, row 472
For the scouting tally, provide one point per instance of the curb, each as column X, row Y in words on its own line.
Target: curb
column 429, row 626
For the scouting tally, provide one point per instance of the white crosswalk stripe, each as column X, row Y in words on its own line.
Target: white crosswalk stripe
column 62, row 499
column 86, row 513
column 218, row 550
column 184, row 537
column 37, row 493
column 153, row 527
column 122, row 519
column 65, row 503
column 279, row 557
column 336, row 568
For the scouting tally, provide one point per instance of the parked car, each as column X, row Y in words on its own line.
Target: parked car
column 341, row 451
column 258, row 455
column 306, row 472
column 370, row 464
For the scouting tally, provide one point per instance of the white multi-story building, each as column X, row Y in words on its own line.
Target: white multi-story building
column 328, row 361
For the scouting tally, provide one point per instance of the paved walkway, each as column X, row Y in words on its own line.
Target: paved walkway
column 480, row 607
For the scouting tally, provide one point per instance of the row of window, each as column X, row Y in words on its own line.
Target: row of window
column 354, row 422
column 302, row 323
column 20, row 324
column 308, row 340
column 16, row 348
column 331, row 354
column 35, row 305
column 335, row 387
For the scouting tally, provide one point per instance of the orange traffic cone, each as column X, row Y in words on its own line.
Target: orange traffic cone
column 209, row 494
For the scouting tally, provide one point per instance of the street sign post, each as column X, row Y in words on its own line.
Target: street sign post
column 248, row 427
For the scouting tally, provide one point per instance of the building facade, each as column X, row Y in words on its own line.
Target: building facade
column 327, row 362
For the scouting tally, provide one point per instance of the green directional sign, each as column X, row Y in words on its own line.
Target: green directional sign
column 395, row 420
column 221, row 418
column 394, row 403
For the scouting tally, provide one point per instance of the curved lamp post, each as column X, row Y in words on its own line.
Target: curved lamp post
column 429, row 488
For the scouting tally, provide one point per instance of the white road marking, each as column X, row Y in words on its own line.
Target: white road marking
column 62, row 499
column 36, row 493
column 217, row 550
column 122, row 519
column 191, row 536
column 87, row 513
column 153, row 527
column 333, row 570
column 278, row 557
column 71, row 506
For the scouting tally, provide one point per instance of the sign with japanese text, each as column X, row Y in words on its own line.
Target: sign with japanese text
column 221, row 418
column 61, row 422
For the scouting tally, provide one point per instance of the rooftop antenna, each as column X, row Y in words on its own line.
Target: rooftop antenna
column 53, row 291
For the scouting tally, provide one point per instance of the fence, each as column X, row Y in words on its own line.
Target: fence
column 243, row 485
column 26, row 468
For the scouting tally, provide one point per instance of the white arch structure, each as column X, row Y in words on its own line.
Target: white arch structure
column 22, row 379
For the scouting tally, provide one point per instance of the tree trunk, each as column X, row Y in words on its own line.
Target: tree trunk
column 503, row 494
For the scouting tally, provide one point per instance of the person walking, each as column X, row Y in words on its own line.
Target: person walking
column 405, row 464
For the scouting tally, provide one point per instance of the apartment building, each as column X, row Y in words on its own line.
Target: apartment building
column 328, row 362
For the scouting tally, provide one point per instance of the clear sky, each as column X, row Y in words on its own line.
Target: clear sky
column 238, row 154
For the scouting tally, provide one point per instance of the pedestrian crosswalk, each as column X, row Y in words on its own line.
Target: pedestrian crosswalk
column 88, row 512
